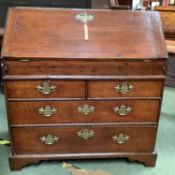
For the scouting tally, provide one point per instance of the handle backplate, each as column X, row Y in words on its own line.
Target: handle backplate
column 47, row 111
column 45, row 88
column 120, row 138
column 122, row 110
column 86, row 109
column 124, row 88
column 49, row 139
column 85, row 133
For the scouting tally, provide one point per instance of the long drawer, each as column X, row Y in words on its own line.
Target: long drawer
column 83, row 111
column 45, row 89
column 83, row 139
column 103, row 68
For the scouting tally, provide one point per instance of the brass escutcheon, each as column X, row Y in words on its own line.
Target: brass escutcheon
column 122, row 110
column 47, row 111
column 49, row 139
column 46, row 88
column 120, row 138
column 86, row 109
column 85, row 133
column 124, row 88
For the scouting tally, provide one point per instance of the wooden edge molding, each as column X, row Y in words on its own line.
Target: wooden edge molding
column 84, row 77
column 17, row 162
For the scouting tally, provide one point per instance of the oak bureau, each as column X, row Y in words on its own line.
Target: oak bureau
column 83, row 84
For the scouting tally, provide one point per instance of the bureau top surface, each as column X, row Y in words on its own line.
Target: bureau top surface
column 56, row 33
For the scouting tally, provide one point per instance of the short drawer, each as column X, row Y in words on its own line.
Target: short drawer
column 45, row 89
column 86, row 68
column 83, row 111
column 83, row 139
column 114, row 89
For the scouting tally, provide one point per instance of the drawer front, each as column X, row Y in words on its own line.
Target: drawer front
column 101, row 68
column 83, row 111
column 113, row 89
column 76, row 139
column 45, row 89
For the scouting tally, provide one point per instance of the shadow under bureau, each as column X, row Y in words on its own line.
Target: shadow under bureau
column 83, row 84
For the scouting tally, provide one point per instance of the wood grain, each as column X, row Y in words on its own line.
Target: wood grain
column 28, row 89
column 167, row 14
column 27, row 112
column 86, row 68
column 109, row 35
column 142, row 139
column 19, row 161
column 106, row 89
column 48, row 45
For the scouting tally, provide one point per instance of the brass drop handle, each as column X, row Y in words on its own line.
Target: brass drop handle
column 45, row 88
column 85, row 133
column 86, row 109
column 122, row 110
column 49, row 139
column 120, row 138
column 47, row 111
column 124, row 88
